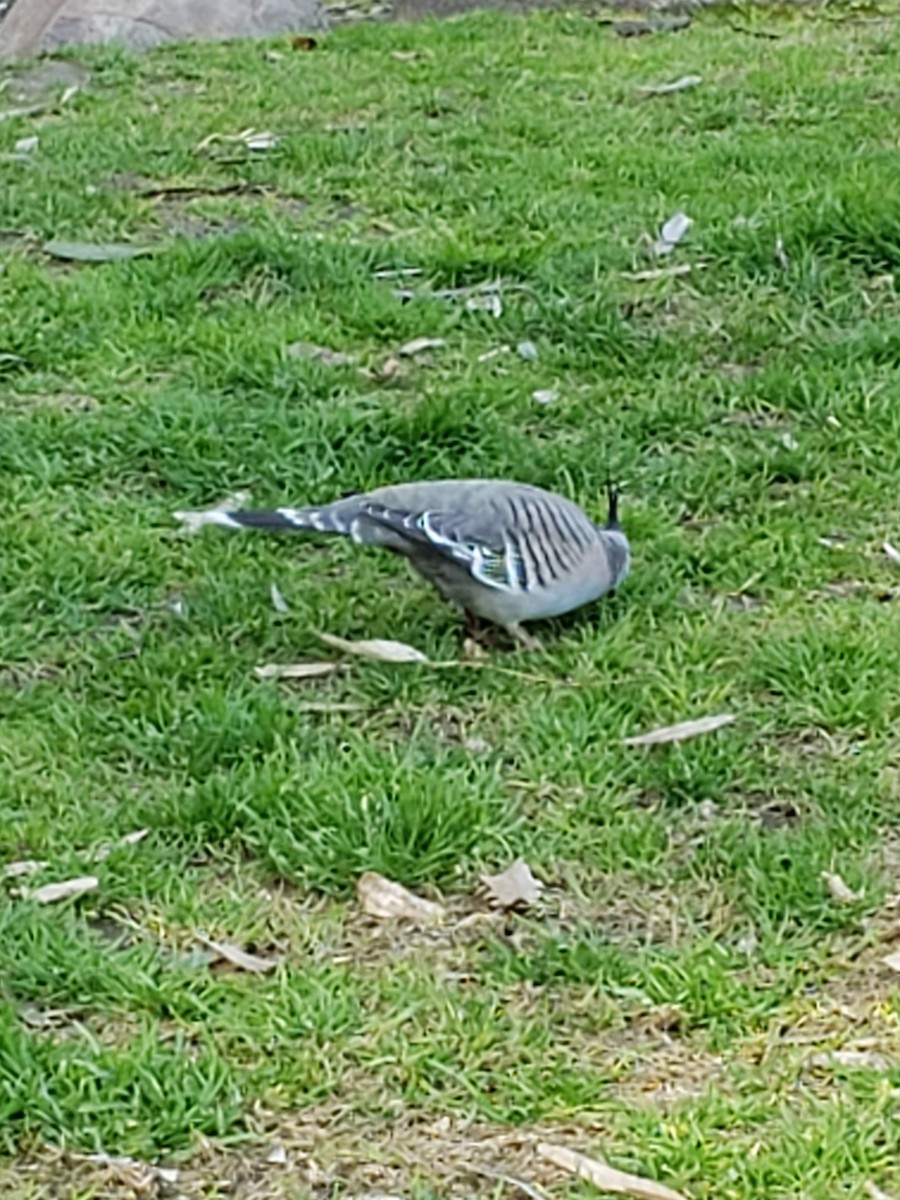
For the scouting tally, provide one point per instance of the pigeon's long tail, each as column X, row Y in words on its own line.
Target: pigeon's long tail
column 331, row 518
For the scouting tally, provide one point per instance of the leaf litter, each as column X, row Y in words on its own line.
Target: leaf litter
column 25, row 867
column 320, row 354
column 838, row 890
column 380, row 649
column 141, row 1178
column 256, row 140
column 67, row 889
column 237, row 957
column 420, row 345
column 604, row 1177
column 516, row 887
column 96, row 252
column 682, row 731
column 654, row 273
column 278, row 601
column 388, row 901
column 130, row 839
column 682, row 84
column 299, row 670
column 672, row 232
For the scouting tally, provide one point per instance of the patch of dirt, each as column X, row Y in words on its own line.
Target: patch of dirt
column 322, row 1151
column 175, row 218
column 854, row 1014
column 449, row 726
column 774, row 812
column 65, row 402
column 661, row 1068
column 814, row 742
column 770, row 419
column 39, row 83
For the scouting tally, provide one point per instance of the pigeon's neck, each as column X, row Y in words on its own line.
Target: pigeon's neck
column 618, row 552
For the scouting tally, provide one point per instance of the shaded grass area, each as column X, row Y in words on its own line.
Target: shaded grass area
column 751, row 409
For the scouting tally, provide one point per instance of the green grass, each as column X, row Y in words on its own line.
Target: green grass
column 751, row 409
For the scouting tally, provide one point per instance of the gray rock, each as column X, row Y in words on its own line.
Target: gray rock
column 34, row 25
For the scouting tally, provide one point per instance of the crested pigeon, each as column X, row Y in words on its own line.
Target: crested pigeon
column 504, row 552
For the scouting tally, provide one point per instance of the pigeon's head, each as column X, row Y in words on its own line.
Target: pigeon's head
column 615, row 540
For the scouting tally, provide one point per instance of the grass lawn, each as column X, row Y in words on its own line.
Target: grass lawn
column 675, row 1001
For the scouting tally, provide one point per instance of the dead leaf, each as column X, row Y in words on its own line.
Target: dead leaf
column 278, row 601
column 96, row 252
column 892, row 552
column 839, row 589
column 892, row 961
column 322, row 354
column 140, row 1177
column 874, row 1192
column 277, row 1155
column 28, row 866
column 748, row 943
column 420, row 345
column 531, row 1190
column 488, row 302
column 839, row 890
column 472, row 650
column 545, row 396
column 303, row 43
column 515, row 887
column 300, row 670
column 602, row 1176
column 661, row 272
column 129, row 839
column 386, row 900
column 863, row 1060
column 380, row 649
column 259, row 141
column 476, row 745
column 137, row 1177
column 495, row 353
column 672, row 233
column 682, row 731
column 242, row 959
column 682, row 84
column 479, row 297
column 50, row 893
column 397, row 273
column 391, row 368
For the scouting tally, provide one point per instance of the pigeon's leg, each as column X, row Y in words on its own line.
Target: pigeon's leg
column 477, row 630
column 523, row 636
